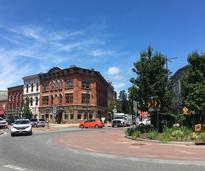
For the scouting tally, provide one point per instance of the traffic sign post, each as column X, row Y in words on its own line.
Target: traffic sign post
column 154, row 105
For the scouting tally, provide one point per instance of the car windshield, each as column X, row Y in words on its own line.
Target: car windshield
column 41, row 120
column 1, row 119
column 21, row 122
column 33, row 119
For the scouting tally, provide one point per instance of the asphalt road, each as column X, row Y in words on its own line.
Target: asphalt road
column 39, row 153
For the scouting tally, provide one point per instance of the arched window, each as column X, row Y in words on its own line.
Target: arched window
column 52, row 99
column 60, row 99
column 32, row 87
column 31, row 101
column 26, row 88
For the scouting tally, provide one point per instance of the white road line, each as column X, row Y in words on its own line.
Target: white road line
column 14, row 167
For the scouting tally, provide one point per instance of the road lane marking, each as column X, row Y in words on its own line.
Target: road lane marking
column 14, row 167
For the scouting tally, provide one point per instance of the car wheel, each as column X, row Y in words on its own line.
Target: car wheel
column 81, row 126
column 12, row 134
column 30, row 133
column 96, row 126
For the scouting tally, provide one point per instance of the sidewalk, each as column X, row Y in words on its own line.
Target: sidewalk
column 54, row 127
column 112, row 141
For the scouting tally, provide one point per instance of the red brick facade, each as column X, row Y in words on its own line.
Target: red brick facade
column 15, row 100
column 72, row 94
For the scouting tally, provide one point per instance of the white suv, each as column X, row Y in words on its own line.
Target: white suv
column 3, row 123
column 21, row 126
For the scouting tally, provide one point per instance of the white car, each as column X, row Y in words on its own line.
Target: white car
column 143, row 122
column 3, row 123
column 21, row 126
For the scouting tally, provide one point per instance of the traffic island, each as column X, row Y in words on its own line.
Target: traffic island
column 174, row 135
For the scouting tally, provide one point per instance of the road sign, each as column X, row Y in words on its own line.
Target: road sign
column 154, row 104
column 185, row 110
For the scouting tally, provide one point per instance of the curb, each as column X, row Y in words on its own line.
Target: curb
column 159, row 142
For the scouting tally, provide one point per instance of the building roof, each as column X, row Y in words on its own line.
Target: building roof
column 180, row 71
column 30, row 77
column 73, row 68
column 15, row 87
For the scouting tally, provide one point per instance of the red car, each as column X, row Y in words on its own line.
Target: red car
column 92, row 123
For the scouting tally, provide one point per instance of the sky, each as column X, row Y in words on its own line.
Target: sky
column 108, row 35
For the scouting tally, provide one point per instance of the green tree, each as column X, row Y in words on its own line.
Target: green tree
column 193, row 84
column 26, row 109
column 152, row 80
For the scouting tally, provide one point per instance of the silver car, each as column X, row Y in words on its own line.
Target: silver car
column 3, row 123
column 41, row 123
column 21, row 126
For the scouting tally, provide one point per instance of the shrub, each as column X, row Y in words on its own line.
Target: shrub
column 193, row 136
column 178, row 134
column 201, row 137
column 165, row 137
column 152, row 134
column 135, row 134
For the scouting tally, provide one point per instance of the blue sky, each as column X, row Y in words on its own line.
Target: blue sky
column 107, row 35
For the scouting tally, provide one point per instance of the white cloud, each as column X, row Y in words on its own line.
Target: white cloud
column 31, row 49
column 119, row 85
column 113, row 70
column 99, row 52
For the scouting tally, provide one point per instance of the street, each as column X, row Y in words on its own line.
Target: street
column 40, row 152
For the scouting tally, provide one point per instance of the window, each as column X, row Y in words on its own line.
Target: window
column 68, row 84
column 36, row 101
column 65, row 116
column 26, row 88
column 69, row 98
column 37, row 86
column 32, row 87
column 31, row 101
column 60, row 99
column 45, row 100
column 85, row 98
column 45, row 87
column 85, row 84
column 79, row 116
column 71, row 116
column 52, row 100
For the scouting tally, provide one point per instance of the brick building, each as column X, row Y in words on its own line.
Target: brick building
column 74, row 94
column 15, row 101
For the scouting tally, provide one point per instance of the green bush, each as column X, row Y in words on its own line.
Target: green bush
column 201, row 137
column 152, row 134
column 165, row 137
column 135, row 134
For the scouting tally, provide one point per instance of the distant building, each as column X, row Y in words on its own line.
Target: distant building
column 3, row 102
column 31, row 92
column 15, row 101
column 176, row 86
column 74, row 94
column 176, row 79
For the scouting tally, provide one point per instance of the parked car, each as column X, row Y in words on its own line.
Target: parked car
column 21, row 126
column 92, row 123
column 34, row 122
column 3, row 123
column 41, row 123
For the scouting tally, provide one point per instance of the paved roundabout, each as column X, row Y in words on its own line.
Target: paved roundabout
column 104, row 149
column 112, row 141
